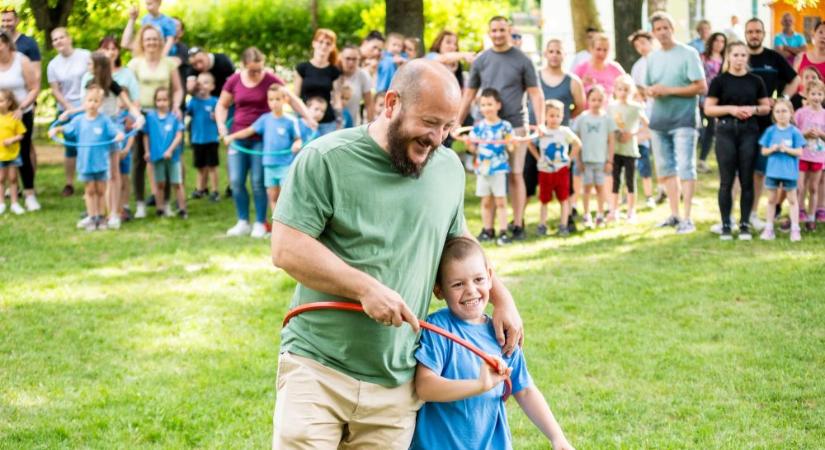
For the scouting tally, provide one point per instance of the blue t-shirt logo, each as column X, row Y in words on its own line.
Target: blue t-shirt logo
column 98, row 131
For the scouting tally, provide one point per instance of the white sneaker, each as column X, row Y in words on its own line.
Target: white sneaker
column 716, row 228
column 169, row 212
column 84, row 222
column 140, row 210
column 241, row 228
column 258, row 231
column 2, row 208
column 16, row 208
column 32, row 204
column 757, row 223
column 113, row 223
column 685, row 227
column 651, row 203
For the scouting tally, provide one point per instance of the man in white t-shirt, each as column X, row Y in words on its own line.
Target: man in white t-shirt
column 65, row 73
column 360, row 85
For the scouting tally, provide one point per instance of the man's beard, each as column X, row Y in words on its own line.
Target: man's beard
column 753, row 45
column 398, row 142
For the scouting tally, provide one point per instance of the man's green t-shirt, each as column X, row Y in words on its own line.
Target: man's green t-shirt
column 343, row 190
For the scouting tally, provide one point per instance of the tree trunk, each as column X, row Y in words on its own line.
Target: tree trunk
column 313, row 13
column 406, row 17
column 585, row 15
column 627, row 21
column 48, row 17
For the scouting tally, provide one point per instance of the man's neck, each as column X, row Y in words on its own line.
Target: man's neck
column 503, row 48
column 377, row 130
column 787, row 31
column 554, row 71
column 669, row 45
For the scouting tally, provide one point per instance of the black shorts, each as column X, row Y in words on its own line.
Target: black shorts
column 206, row 155
column 531, row 174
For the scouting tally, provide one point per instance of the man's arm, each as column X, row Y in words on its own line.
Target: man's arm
column 693, row 89
column 537, row 98
column 577, row 90
column 317, row 267
column 506, row 319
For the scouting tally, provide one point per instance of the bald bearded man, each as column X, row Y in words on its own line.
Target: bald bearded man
column 363, row 218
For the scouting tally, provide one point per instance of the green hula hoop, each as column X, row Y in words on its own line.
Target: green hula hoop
column 249, row 151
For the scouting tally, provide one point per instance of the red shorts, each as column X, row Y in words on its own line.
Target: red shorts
column 556, row 182
column 807, row 166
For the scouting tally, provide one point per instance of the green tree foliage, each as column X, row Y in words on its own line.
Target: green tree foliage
column 280, row 28
column 467, row 18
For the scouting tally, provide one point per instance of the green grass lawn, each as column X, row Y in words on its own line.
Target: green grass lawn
column 165, row 334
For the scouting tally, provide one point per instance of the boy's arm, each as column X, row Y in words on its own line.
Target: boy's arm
column 432, row 387
column 240, row 134
column 533, row 150
column 147, row 154
column 535, row 407
column 575, row 149
column 170, row 42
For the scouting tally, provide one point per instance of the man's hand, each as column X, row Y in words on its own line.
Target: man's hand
column 657, row 90
column 386, row 306
column 507, row 324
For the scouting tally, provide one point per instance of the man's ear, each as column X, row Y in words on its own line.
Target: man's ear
column 392, row 101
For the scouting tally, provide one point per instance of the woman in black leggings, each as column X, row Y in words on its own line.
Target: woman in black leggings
column 736, row 97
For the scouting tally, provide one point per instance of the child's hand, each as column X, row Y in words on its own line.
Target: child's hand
column 8, row 142
column 228, row 140
column 489, row 377
column 625, row 137
column 64, row 116
column 53, row 132
column 562, row 444
column 122, row 154
column 146, row 157
column 133, row 12
column 608, row 167
column 119, row 137
column 296, row 146
column 167, row 155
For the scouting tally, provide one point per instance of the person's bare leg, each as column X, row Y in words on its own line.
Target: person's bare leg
column 487, row 212
column 181, row 192
column 213, row 178
column 501, row 212
column 758, row 184
column 565, row 213
column 600, row 199
column 69, row 165
column 688, row 187
column 518, row 197
column 160, row 192
column 672, row 190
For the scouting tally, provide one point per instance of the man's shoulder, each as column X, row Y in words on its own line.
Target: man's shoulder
column 341, row 140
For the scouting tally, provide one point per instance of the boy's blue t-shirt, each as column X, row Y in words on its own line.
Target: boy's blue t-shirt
column 161, row 132
column 386, row 70
column 204, row 127
column 348, row 122
column 475, row 422
column 782, row 165
column 492, row 158
column 86, row 132
column 279, row 133
column 307, row 133
column 166, row 25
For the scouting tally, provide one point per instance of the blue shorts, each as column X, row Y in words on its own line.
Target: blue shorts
column 94, row 176
column 772, row 183
column 643, row 163
column 167, row 171
column 17, row 162
column 275, row 176
column 126, row 164
column 675, row 152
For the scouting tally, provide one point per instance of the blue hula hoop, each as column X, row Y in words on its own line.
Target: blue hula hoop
column 96, row 144
column 249, row 151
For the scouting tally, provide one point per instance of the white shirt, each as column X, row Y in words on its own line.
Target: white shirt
column 360, row 83
column 68, row 72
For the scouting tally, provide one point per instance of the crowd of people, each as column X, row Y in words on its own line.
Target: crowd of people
column 571, row 135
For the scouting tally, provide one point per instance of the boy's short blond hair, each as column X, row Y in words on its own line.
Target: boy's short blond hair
column 458, row 249
column 206, row 76
column 554, row 104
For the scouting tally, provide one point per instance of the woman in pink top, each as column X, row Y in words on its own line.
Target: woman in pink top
column 598, row 70
column 814, row 57
column 247, row 90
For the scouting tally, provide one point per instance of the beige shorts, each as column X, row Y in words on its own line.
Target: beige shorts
column 519, row 153
column 320, row 408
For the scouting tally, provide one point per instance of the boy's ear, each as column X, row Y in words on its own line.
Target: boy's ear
column 437, row 292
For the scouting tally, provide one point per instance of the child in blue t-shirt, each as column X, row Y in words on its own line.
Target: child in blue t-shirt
column 391, row 59
column 93, row 133
column 782, row 143
column 204, row 137
column 464, row 407
column 282, row 140
column 162, row 136
column 491, row 165
column 165, row 24
column 317, row 107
